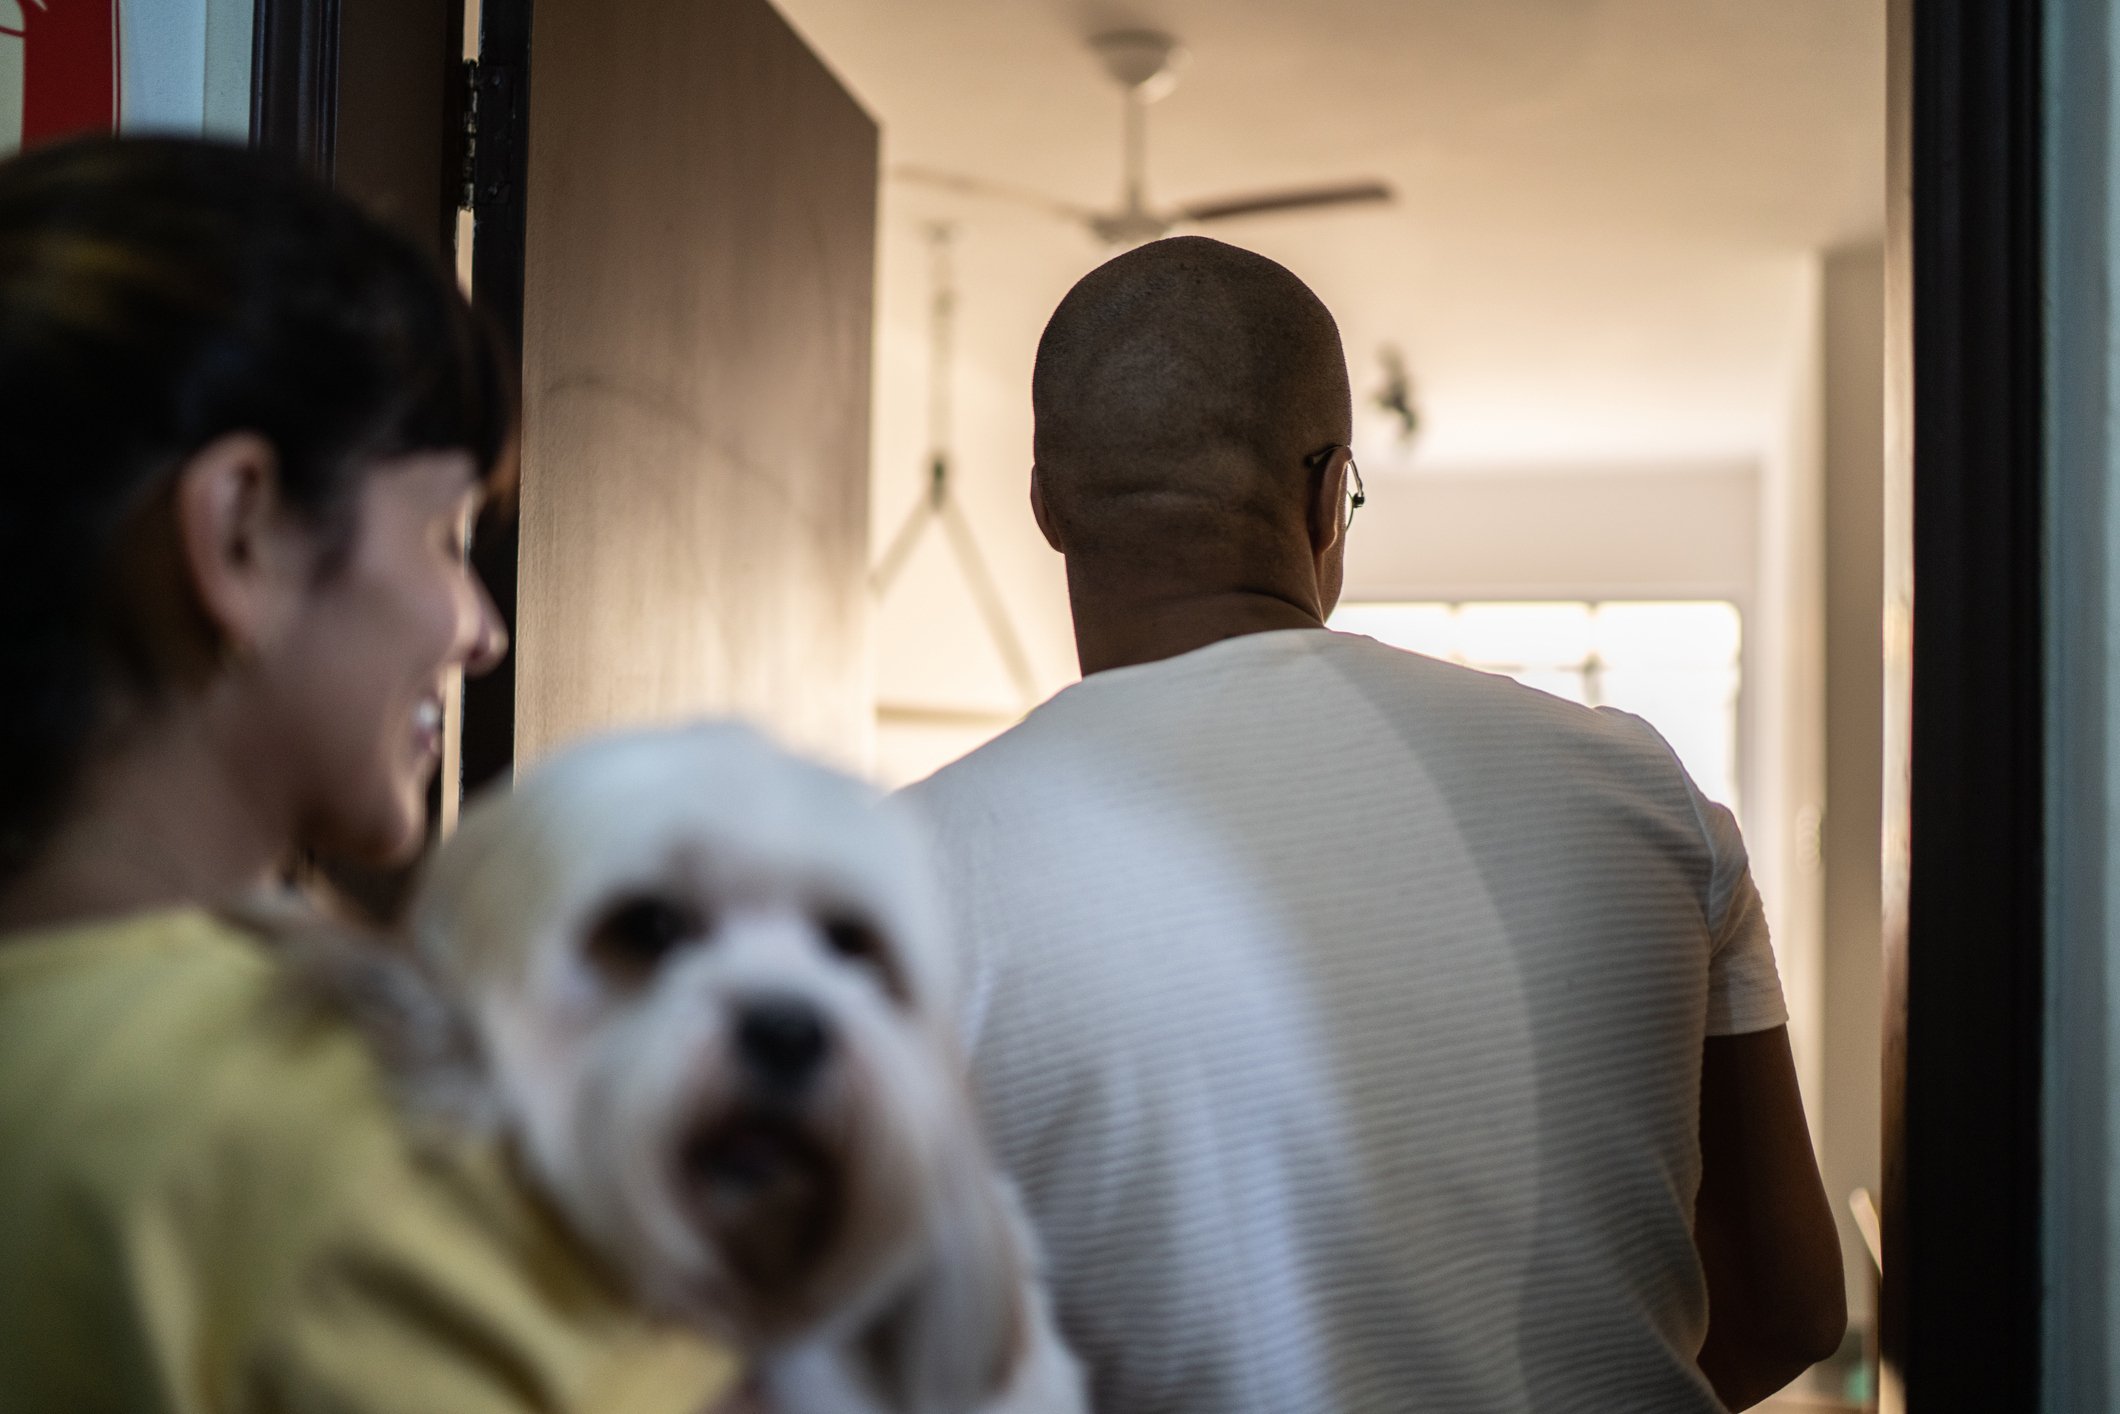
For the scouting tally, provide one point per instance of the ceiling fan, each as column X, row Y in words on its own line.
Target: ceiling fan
column 1145, row 64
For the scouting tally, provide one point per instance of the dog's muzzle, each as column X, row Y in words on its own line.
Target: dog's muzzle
column 782, row 1042
column 764, row 1174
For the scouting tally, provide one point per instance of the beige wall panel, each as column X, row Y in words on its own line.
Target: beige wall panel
column 1589, row 533
column 697, row 305
column 1849, row 1102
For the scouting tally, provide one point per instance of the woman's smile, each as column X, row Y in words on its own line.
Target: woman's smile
column 427, row 727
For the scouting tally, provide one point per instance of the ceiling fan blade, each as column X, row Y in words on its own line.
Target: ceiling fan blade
column 1297, row 199
column 998, row 191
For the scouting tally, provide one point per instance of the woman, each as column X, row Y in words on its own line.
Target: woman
column 242, row 432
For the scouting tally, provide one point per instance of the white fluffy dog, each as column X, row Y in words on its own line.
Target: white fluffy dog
column 706, row 983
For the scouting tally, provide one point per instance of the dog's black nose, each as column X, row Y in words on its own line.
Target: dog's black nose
column 781, row 1039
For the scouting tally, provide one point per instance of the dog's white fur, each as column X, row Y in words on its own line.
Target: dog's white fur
column 604, row 926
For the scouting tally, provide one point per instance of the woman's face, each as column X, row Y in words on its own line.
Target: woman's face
column 355, row 688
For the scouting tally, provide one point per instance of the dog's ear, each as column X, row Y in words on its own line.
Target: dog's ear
column 359, row 976
column 954, row 1339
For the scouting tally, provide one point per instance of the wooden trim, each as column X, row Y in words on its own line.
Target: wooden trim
column 294, row 80
column 914, row 714
column 1965, row 936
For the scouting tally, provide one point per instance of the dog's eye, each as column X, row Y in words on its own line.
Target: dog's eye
column 858, row 942
column 637, row 934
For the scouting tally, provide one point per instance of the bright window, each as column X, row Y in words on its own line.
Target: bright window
column 1673, row 663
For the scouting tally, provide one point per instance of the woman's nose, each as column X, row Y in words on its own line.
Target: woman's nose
column 490, row 644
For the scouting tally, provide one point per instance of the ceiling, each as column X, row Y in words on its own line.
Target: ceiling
column 1607, row 207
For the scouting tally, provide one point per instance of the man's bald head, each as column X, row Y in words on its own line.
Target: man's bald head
column 1184, row 379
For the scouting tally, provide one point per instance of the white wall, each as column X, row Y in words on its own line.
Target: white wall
column 1786, row 681
column 185, row 67
column 1676, row 532
column 933, row 652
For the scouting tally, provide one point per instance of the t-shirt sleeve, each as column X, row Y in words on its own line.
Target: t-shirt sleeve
column 440, row 1293
column 955, row 856
column 1744, row 987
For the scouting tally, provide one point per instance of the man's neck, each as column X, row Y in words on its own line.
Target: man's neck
column 1119, row 630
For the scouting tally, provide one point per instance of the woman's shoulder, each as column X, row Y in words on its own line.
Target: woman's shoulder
column 133, row 1049
column 197, row 1168
column 118, row 1038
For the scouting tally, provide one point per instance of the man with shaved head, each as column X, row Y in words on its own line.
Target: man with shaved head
column 1366, row 1033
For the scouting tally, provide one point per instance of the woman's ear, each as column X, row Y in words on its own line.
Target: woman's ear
column 245, row 558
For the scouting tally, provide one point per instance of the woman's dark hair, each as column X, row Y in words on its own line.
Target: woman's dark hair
column 155, row 295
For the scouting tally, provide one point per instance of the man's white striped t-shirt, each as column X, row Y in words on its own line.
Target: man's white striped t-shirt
column 1339, row 1013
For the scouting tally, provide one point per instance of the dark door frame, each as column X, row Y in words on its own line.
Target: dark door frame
column 369, row 96
column 499, row 175
column 1960, row 1323
column 294, row 79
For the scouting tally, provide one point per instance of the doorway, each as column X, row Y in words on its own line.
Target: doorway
column 1971, row 1233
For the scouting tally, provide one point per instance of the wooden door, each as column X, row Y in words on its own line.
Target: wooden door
column 698, row 207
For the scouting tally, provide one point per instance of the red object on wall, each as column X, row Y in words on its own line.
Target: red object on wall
column 69, row 68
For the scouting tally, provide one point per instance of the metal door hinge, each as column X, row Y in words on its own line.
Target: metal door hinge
column 467, row 140
column 492, row 123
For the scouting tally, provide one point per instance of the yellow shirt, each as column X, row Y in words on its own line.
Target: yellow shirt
column 207, row 1204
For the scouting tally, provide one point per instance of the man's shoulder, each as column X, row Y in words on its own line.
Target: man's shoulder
column 1242, row 695
column 1050, row 734
column 1107, row 711
column 1474, row 707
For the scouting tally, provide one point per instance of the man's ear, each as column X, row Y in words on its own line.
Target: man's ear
column 1045, row 524
column 1328, row 491
column 243, row 555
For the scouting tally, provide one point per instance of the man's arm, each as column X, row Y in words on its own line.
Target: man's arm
column 1762, row 1223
